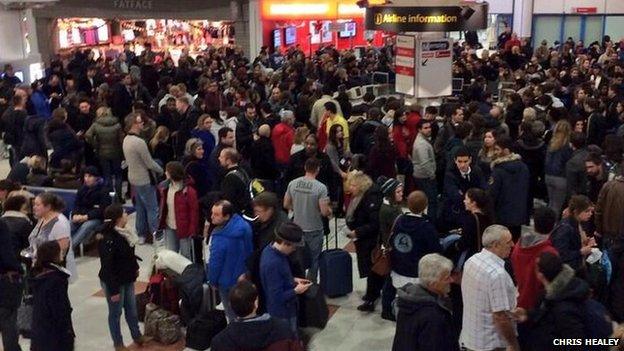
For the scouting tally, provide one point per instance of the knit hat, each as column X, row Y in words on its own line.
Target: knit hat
column 387, row 185
column 290, row 232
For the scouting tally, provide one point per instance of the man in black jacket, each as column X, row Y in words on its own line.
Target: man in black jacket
column 425, row 320
column 250, row 330
column 10, row 291
column 91, row 200
column 235, row 183
column 13, row 125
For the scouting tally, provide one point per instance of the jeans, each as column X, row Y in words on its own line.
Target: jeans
column 429, row 187
column 182, row 246
column 146, row 209
column 127, row 301
column 224, row 293
column 314, row 242
column 557, row 188
column 111, row 170
column 8, row 329
column 83, row 231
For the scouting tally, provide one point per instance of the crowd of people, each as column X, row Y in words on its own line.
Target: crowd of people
column 497, row 211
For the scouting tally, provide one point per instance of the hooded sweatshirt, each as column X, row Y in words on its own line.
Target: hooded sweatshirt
column 509, row 187
column 424, row 321
column 412, row 238
column 526, row 251
column 258, row 333
column 230, row 245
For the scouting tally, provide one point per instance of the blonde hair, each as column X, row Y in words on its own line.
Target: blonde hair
column 300, row 134
column 529, row 114
column 103, row 111
column 161, row 135
column 201, row 119
column 561, row 136
column 360, row 181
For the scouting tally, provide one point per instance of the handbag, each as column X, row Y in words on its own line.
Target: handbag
column 381, row 256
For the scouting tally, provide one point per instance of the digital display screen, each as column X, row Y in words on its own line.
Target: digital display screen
column 290, row 35
column 277, row 38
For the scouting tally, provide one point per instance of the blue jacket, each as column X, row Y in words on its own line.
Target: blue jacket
column 277, row 283
column 230, row 246
column 509, row 188
column 207, row 139
column 555, row 164
column 412, row 238
column 41, row 104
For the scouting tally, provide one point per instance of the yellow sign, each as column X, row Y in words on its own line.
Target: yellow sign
column 392, row 18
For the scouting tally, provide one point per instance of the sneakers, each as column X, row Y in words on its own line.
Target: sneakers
column 367, row 306
column 142, row 340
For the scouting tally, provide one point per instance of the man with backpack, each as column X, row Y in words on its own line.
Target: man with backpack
column 566, row 311
column 235, row 183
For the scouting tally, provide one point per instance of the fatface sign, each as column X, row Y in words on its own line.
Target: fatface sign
column 427, row 19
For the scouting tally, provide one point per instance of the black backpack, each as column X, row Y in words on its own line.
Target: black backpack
column 203, row 329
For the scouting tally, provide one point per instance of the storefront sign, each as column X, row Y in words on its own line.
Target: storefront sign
column 405, row 64
column 427, row 19
column 312, row 9
column 585, row 10
column 133, row 4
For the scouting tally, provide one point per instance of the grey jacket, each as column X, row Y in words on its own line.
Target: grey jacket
column 423, row 158
column 139, row 160
column 106, row 137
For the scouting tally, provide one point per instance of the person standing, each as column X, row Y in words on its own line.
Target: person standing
column 140, row 168
column 309, row 200
column 424, row 321
column 279, row 285
column 571, row 243
column 558, row 154
column 609, row 208
column 509, row 186
column 179, row 210
column 230, row 246
column 489, row 295
column 424, row 164
column 52, row 328
column 10, row 289
column 118, row 272
column 235, row 183
column 13, row 125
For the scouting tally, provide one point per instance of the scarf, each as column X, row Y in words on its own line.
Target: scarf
column 130, row 236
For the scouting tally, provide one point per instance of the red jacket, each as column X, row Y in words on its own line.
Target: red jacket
column 186, row 210
column 523, row 259
column 283, row 137
column 511, row 43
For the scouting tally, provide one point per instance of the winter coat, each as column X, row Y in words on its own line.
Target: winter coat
column 41, row 104
column 277, row 283
column 106, row 137
column 609, row 208
column 260, row 333
column 235, row 188
column 186, row 208
column 52, row 328
column 388, row 213
column 230, row 245
column 472, row 232
column 92, row 201
column 454, row 191
column 413, row 237
column 263, row 163
column 65, row 144
column 523, row 260
column 245, row 130
column 283, row 137
column 202, row 175
column 556, row 161
column 207, row 139
column 424, row 321
column 18, row 226
column 381, row 163
column 566, row 238
column 561, row 314
column 13, row 126
column 509, row 187
column 119, row 264
column 67, row 181
column 34, row 142
column 363, row 136
column 365, row 222
column 533, row 154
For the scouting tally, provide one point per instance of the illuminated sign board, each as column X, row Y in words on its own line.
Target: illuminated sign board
column 427, row 19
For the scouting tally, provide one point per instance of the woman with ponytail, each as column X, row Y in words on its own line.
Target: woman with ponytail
column 118, row 273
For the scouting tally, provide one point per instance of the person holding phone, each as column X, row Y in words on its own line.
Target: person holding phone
column 279, row 286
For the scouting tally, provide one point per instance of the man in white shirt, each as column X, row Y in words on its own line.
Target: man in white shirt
column 489, row 296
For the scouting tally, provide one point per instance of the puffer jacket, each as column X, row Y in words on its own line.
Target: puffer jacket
column 509, row 187
column 106, row 137
column 230, row 246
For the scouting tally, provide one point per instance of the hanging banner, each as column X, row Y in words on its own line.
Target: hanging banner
column 427, row 19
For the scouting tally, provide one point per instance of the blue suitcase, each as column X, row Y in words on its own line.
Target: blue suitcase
column 336, row 271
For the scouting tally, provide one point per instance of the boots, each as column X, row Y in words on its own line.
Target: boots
column 367, row 306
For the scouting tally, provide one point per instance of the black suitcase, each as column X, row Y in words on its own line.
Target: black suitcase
column 336, row 270
column 203, row 329
column 313, row 311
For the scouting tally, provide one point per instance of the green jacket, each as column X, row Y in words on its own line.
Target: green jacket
column 106, row 137
column 387, row 214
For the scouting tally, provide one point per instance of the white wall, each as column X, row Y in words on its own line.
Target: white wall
column 10, row 36
column 567, row 6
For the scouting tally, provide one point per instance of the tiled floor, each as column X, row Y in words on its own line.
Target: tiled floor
column 348, row 329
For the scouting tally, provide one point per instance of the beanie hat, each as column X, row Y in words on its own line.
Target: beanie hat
column 387, row 185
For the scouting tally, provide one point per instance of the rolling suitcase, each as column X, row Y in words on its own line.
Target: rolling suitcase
column 336, row 269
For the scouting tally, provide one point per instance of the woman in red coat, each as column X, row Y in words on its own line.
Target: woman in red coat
column 178, row 210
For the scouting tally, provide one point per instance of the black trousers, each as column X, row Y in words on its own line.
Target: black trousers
column 8, row 329
column 374, row 284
